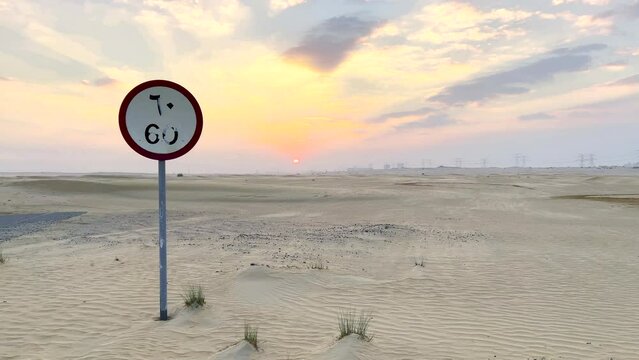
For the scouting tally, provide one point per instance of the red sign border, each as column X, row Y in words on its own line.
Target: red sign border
column 177, row 87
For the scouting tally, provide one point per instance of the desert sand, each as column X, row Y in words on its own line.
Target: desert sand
column 516, row 265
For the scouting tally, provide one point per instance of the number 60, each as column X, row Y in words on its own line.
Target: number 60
column 151, row 133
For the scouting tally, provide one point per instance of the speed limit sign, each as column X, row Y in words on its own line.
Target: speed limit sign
column 161, row 120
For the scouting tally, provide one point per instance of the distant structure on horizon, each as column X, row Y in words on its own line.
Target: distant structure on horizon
column 582, row 160
column 520, row 160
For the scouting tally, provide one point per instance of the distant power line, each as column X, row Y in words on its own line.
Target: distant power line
column 583, row 160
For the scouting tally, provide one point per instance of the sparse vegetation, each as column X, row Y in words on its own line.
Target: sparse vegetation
column 194, row 297
column 250, row 335
column 319, row 264
column 350, row 322
column 419, row 262
column 2, row 258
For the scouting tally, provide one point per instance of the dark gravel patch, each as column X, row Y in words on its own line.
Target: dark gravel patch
column 15, row 225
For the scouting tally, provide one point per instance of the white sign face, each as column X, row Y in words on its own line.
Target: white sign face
column 160, row 120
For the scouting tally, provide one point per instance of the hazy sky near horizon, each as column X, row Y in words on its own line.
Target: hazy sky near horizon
column 336, row 83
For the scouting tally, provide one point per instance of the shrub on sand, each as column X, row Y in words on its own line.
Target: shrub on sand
column 2, row 258
column 419, row 262
column 250, row 335
column 194, row 297
column 350, row 322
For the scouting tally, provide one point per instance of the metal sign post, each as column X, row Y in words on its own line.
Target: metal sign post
column 161, row 120
column 162, row 240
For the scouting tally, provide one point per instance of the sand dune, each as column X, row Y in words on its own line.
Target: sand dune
column 515, row 266
column 239, row 351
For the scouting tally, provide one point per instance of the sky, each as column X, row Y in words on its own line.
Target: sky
column 335, row 84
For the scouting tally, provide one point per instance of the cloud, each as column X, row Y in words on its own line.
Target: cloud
column 536, row 116
column 37, row 62
column 632, row 10
column 589, row 2
column 599, row 24
column 582, row 49
column 456, row 22
column 103, row 81
column 428, row 122
column 627, row 11
column 97, row 36
column 201, row 18
column 400, row 114
column 281, row 5
column 614, row 110
column 328, row 44
column 616, row 65
column 519, row 80
column 631, row 80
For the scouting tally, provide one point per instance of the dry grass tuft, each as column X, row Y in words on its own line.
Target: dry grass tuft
column 194, row 297
column 351, row 323
column 250, row 335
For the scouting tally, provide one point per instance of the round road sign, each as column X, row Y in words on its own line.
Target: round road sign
column 160, row 120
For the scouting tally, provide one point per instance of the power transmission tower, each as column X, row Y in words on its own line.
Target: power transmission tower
column 582, row 160
column 483, row 162
column 523, row 161
column 517, row 157
column 458, row 162
column 591, row 160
